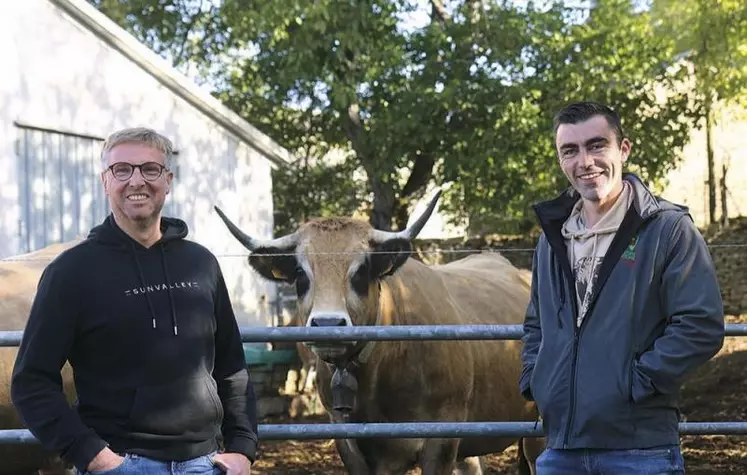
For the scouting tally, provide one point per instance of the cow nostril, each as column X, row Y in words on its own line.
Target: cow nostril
column 328, row 322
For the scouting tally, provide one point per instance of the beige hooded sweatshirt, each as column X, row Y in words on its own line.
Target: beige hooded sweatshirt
column 587, row 247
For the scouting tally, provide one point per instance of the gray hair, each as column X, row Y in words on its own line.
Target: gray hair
column 139, row 135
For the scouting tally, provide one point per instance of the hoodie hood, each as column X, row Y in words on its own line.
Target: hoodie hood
column 108, row 232
column 588, row 246
column 172, row 229
column 575, row 226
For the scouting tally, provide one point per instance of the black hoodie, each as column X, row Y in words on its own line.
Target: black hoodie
column 154, row 344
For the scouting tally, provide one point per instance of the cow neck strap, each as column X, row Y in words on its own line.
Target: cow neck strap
column 344, row 383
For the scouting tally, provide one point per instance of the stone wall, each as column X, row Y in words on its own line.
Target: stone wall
column 729, row 250
column 517, row 249
column 269, row 382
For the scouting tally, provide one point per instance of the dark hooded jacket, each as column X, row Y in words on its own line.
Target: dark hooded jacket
column 155, row 347
column 655, row 314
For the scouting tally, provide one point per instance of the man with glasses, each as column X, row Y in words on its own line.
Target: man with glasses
column 145, row 320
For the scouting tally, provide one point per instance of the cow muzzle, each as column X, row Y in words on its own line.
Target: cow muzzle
column 335, row 349
column 328, row 321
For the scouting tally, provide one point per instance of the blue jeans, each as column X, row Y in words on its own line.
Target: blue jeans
column 665, row 460
column 139, row 465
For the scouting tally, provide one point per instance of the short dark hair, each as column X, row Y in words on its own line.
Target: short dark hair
column 585, row 110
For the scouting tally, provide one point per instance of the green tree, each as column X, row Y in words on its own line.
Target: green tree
column 464, row 99
column 187, row 32
column 712, row 36
column 609, row 54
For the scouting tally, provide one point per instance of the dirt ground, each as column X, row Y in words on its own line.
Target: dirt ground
column 715, row 393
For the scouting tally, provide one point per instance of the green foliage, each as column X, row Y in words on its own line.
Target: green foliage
column 712, row 35
column 315, row 189
column 182, row 30
column 466, row 99
column 506, row 161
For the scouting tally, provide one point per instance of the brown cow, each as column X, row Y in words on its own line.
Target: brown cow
column 19, row 277
column 347, row 273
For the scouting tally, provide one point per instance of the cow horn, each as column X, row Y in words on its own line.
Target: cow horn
column 411, row 232
column 252, row 243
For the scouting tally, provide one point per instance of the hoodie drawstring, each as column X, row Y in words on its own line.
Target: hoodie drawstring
column 168, row 286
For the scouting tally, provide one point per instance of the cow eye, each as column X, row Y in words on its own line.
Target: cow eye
column 302, row 282
column 360, row 279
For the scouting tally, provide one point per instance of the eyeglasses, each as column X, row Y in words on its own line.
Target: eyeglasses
column 122, row 171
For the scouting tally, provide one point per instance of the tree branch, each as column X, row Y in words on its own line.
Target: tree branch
column 438, row 11
column 420, row 175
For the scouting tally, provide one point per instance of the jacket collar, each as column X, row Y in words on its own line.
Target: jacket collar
column 557, row 210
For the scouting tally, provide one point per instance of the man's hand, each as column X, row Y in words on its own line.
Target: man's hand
column 105, row 460
column 233, row 464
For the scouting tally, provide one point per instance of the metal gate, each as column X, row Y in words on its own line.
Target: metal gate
column 399, row 430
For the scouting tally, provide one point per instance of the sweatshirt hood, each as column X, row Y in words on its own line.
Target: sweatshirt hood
column 575, row 227
column 587, row 246
column 109, row 233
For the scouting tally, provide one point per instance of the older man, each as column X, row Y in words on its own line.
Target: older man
column 144, row 317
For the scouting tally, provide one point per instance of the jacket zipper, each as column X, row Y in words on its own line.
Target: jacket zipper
column 572, row 386
column 578, row 329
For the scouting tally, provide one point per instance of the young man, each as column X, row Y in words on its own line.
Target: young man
column 144, row 318
column 624, row 304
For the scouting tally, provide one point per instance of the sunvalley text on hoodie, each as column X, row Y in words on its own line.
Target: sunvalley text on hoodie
column 154, row 344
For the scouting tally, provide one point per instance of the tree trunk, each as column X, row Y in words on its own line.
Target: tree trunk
column 388, row 208
column 420, row 175
column 383, row 204
column 724, row 193
column 383, row 201
column 711, row 165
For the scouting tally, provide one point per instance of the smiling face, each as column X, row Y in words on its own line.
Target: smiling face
column 139, row 198
column 592, row 157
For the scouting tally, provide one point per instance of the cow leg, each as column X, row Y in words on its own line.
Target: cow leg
column 529, row 449
column 439, row 456
column 470, row 466
column 352, row 457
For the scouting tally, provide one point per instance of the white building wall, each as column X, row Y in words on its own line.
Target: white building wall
column 57, row 74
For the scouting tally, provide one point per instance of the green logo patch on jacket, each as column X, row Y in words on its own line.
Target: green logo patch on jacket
column 629, row 254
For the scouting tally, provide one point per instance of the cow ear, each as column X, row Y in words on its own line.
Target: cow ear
column 274, row 264
column 389, row 256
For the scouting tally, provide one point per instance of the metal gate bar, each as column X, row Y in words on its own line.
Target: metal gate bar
column 377, row 333
column 404, row 429
column 413, row 430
